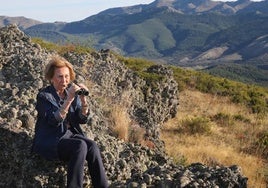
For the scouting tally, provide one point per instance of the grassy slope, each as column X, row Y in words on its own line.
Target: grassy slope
column 230, row 140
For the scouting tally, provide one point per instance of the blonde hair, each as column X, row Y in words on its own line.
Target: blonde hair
column 58, row 62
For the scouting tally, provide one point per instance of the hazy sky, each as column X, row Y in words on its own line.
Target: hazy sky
column 61, row 10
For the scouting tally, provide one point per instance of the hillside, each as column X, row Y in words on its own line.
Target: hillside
column 214, row 131
column 21, row 22
column 200, row 34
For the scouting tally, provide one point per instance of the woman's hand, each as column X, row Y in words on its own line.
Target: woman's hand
column 83, row 99
column 72, row 91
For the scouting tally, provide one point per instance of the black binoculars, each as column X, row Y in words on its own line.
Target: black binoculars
column 82, row 92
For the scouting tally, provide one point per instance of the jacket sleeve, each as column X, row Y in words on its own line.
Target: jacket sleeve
column 47, row 111
column 82, row 119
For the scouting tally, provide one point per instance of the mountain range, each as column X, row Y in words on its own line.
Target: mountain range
column 229, row 39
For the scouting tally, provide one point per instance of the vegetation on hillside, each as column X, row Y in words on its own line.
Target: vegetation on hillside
column 61, row 49
column 241, row 73
column 212, row 130
column 254, row 97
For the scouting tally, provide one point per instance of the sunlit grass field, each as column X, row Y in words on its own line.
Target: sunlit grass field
column 214, row 131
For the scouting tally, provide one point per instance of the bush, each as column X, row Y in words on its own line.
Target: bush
column 262, row 144
column 196, row 125
column 241, row 118
column 223, row 119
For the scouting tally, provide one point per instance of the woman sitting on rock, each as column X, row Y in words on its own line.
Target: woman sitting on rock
column 58, row 135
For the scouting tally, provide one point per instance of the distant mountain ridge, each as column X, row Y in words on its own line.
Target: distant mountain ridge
column 196, row 6
column 194, row 33
column 20, row 21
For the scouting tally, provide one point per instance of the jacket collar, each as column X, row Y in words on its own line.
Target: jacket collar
column 50, row 94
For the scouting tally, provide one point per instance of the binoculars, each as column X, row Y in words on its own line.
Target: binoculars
column 82, row 92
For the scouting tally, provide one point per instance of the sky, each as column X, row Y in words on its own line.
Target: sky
column 62, row 10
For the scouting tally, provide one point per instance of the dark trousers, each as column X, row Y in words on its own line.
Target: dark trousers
column 75, row 149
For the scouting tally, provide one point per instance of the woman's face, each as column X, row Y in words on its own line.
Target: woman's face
column 61, row 78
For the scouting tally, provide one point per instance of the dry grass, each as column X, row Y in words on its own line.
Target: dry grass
column 124, row 128
column 233, row 131
column 121, row 121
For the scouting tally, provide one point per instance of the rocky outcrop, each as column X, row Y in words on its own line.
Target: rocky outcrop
column 148, row 103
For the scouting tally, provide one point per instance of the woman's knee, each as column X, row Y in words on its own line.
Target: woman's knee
column 93, row 151
column 70, row 147
column 81, row 146
column 93, row 147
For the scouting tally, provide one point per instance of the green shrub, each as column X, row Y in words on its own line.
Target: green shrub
column 223, row 119
column 196, row 125
column 241, row 118
column 61, row 49
column 262, row 144
column 181, row 160
column 45, row 44
column 136, row 64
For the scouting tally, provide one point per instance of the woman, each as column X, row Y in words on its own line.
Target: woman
column 58, row 135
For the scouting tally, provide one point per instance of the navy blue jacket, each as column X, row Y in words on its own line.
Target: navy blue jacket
column 50, row 127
